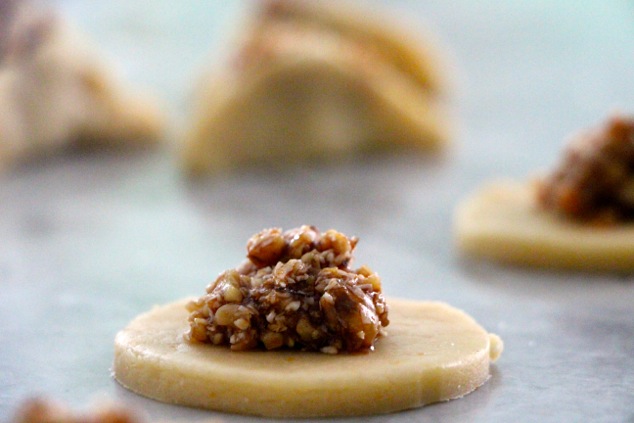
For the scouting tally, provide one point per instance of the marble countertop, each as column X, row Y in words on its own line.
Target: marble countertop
column 89, row 242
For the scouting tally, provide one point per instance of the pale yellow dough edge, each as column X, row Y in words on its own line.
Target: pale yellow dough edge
column 433, row 352
column 502, row 222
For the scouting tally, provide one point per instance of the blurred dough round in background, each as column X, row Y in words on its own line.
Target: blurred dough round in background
column 316, row 81
column 502, row 222
column 580, row 215
column 56, row 92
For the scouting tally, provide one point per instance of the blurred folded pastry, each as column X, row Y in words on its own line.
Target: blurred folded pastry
column 56, row 92
column 313, row 81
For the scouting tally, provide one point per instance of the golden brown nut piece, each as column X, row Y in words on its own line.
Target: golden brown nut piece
column 40, row 410
column 56, row 92
column 317, row 81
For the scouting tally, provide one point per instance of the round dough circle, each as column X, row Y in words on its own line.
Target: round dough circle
column 501, row 222
column 432, row 353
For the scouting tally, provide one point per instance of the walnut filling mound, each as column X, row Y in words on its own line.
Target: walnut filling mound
column 295, row 290
column 595, row 180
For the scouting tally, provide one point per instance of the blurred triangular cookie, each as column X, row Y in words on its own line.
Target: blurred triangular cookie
column 56, row 91
column 317, row 81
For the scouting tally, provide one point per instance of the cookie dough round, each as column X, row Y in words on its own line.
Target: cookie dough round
column 432, row 353
column 502, row 222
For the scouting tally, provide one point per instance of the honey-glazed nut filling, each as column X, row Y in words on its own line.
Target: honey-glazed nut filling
column 594, row 182
column 295, row 290
column 44, row 410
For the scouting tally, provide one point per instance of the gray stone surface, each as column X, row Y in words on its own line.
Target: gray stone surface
column 88, row 242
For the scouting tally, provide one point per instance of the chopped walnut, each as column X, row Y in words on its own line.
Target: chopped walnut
column 594, row 182
column 39, row 410
column 295, row 290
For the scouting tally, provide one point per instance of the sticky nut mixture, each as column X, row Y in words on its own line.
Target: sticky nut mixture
column 594, row 181
column 295, row 290
column 42, row 410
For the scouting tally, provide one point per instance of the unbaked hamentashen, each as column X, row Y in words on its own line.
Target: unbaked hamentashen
column 579, row 216
column 295, row 332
